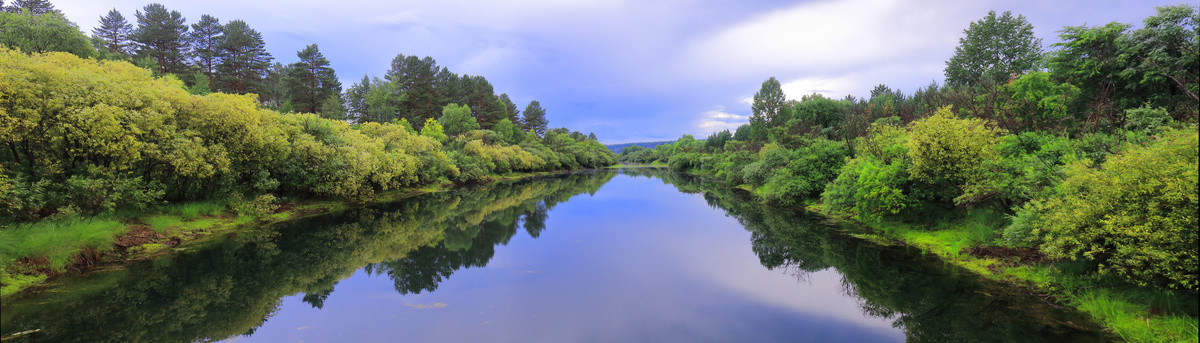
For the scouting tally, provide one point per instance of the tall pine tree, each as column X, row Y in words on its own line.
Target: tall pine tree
column 244, row 60
column 417, row 78
column 310, row 82
column 33, row 7
column 161, row 36
column 510, row 109
column 115, row 32
column 206, row 37
column 534, row 118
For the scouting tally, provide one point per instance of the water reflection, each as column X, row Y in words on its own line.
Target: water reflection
column 633, row 263
column 930, row 301
column 232, row 286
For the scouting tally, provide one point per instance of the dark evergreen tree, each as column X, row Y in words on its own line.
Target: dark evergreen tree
column 115, row 32
column 310, row 82
column 33, row 7
column 481, row 97
column 416, row 78
column 534, row 118
column 245, row 62
column 356, row 100
column 206, row 39
column 510, row 109
column 161, row 36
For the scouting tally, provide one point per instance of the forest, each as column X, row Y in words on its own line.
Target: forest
column 139, row 117
column 1086, row 152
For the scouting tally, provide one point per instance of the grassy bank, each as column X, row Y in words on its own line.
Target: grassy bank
column 33, row 253
column 1136, row 314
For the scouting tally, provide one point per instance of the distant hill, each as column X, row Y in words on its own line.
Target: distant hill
column 648, row 145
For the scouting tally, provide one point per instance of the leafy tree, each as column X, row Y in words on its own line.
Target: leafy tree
column 1169, row 46
column 115, row 32
column 768, row 104
column 1040, row 101
column 335, row 108
column 509, row 132
column 161, row 35
column 1090, row 59
column 457, row 119
column 43, row 33
column 948, row 151
column 993, row 49
column 534, row 118
column 244, row 60
column 433, row 129
column 311, row 81
column 205, row 38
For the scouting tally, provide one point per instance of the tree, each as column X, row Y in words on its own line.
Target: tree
column 510, row 109
column 994, row 49
column 1090, row 58
column 206, row 37
column 244, row 60
column 1169, row 46
column 115, row 32
column 457, row 119
column 417, row 78
column 161, row 35
column 310, row 82
column 36, row 7
column 534, row 118
column 768, row 103
column 43, row 33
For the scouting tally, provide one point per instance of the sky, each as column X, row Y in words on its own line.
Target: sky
column 638, row 70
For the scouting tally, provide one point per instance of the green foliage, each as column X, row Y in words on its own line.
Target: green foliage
column 161, row 36
column 1040, row 102
column 1147, row 120
column 457, row 119
column 37, row 33
column 1135, row 216
column 310, row 82
column 257, row 207
column 433, row 129
column 56, row 241
column 768, row 107
column 992, row 49
column 948, row 151
column 534, row 118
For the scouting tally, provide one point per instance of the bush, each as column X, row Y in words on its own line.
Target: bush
column 949, row 152
column 1134, row 216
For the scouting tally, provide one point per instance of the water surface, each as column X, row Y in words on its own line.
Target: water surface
column 640, row 255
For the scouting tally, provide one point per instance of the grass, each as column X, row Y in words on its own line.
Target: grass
column 192, row 210
column 57, row 240
column 162, row 222
column 1136, row 314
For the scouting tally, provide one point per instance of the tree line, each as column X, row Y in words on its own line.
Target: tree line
column 1088, row 151
column 128, row 119
column 231, row 57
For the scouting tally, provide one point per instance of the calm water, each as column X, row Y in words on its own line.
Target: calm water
column 640, row 255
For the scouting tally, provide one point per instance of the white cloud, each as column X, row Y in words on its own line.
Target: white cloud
column 828, row 36
column 717, row 120
column 835, row 87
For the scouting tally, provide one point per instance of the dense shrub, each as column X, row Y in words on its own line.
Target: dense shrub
column 1135, row 215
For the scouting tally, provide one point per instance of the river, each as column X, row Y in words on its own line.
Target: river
column 630, row 255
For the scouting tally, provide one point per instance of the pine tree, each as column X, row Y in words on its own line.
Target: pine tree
column 311, row 81
column 534, row 118
column 510, row 109
column 417, row 77
column 115, row 32
column 481, row 97
column 206, row 39
column 161, row 36
column 244, row 60
column 34, row 7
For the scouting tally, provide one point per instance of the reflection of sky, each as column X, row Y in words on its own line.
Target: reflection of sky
column 637, row 261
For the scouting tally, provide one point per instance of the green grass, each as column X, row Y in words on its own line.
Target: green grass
column 161, row 223
column 57, row 240
column 192, row 210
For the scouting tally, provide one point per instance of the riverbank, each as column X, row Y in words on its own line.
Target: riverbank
column 1136, row 314
column 35, row 253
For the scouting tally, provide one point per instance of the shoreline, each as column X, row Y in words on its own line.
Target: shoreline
column 139, row 240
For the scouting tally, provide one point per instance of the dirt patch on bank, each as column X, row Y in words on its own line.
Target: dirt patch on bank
column 138, row 235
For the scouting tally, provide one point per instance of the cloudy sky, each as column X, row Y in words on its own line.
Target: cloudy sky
column 638, row 70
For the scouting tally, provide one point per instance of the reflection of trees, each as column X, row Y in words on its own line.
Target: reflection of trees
column 931, row 301
column 230, row 286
